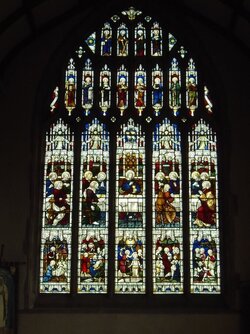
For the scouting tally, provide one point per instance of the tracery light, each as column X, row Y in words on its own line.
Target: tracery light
column 191, row 86
column 140, row 91
column 174, row 87
column 105, row 89
column 122, row 89
column 156, row 40
column 70, row 86
column 87, row 87
column 122, row 40
column 157, row 89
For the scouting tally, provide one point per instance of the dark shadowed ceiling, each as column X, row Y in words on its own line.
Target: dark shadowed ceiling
column 21, row 21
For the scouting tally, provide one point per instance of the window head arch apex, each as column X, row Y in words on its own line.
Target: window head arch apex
column 131, row 13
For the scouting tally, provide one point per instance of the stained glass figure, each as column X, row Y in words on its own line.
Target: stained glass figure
column 203, row 207
column 205, row 262
column 106, row 40
column 91, row 42
column 167, row 215
column 70, row 86
column 168, row 262
column 130, row 255
column 203, row 174
column 57, row 208
column 167, row 169
column 157, row 89
column 58, row 176
column 140, row 90
column 130, row 212
column 174, row 87
column 122, row 89
column 192, row 90
column 208, row 103
column 140, row 40
column 54, row 102
column 55, row 261
column 87, row 86
column 156, row 40
column 94, row 174
column 105, row 93
column 171, row 41
column 92, row 264
column 122, row 40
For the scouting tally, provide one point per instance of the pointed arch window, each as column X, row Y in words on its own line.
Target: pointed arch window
column 130, row 168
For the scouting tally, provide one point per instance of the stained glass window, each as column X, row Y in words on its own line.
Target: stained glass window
column 130, row 185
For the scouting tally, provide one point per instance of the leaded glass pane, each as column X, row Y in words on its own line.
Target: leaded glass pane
column 87, row 87
column 182, row 51
column 156, row 40
column 130, row 210
column 91, row 42
column 122, row 89
column 171, row 41
column 157, row 89
column 192, row 90
column 57, row 210
column 93, row 213
column 140, row 89
column 207, row 100
column 167, row 248
column 106, row 40
column 54, row 99
column 105, row 89
column 70, row 86
column 140, row 40
column 203, row 206
column 174, row 87
column 122, row 40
